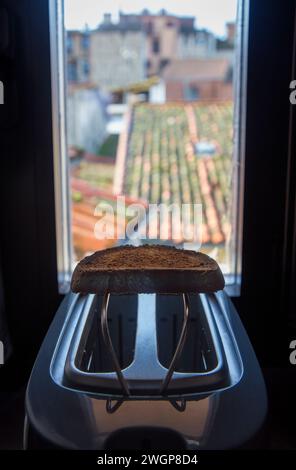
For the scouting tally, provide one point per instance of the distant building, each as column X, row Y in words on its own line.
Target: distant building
column 116, row 113
column 195, row 44
column 198, row 79
column 86, row 117
column 117, row 54
column 225, row 47
column 77, row 45
column 231, row 32
column 169, row 37
column 193, row 62
column 157, row 93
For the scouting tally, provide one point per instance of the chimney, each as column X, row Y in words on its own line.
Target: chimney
column 107, row 18
column 230, row 31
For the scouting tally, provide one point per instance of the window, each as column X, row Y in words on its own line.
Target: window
column 164, row 63
column 85, row 41
column 155, row 138
column 155, row 45
column 191, row 93
column 72, row 72
column 69, row 43
column 149, row 27
column 86, row 69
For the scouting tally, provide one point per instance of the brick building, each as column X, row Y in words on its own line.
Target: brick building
column 198, row 79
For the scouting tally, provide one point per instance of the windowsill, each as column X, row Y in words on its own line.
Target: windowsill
column 232, row 285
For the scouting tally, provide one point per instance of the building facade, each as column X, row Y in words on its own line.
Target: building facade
column 117, row 55
column 169, row 37
column 198, row 80
column 86, row 117
column 192, row 62
column 77, row 47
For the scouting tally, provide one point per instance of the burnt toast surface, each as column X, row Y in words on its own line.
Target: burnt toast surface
column 147, row 269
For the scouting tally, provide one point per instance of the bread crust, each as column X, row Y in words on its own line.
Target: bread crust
column 147, row 269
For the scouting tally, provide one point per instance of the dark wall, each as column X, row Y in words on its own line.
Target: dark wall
column 27, row 234
column 265, row 278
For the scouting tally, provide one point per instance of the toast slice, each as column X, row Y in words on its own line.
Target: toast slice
column 147, row 269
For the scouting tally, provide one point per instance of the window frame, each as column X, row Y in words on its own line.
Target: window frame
column 268, row 142
column 64, row 239
column 250, row 286
column 61, row 165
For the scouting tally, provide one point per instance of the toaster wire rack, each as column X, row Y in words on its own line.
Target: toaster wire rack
column 120, row 347
column 181, row 405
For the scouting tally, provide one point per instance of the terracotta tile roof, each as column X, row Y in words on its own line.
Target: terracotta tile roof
column 160, row 163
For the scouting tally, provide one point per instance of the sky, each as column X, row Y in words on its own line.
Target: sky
column 210, row 14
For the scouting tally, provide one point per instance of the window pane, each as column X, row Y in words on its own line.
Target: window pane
column 150, row 110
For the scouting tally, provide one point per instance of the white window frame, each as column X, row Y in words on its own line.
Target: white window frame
column 61, row 163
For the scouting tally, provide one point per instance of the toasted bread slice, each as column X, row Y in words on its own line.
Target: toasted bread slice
column 147, row 269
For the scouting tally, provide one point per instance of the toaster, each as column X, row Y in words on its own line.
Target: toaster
column 145, row 371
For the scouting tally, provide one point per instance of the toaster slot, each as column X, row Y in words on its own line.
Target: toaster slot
column 122, row 323
column 198, row 354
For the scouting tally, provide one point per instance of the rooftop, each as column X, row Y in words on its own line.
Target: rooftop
column 159, row 163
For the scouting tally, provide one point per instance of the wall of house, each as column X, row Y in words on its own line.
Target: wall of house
column 117, row 58
column 175, row 42
column 197, row 44
column 86, row 119
column 164, row 30
column 77, row 45
column 206, row 90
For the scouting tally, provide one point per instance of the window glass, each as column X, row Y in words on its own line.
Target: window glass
column 150, row 109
